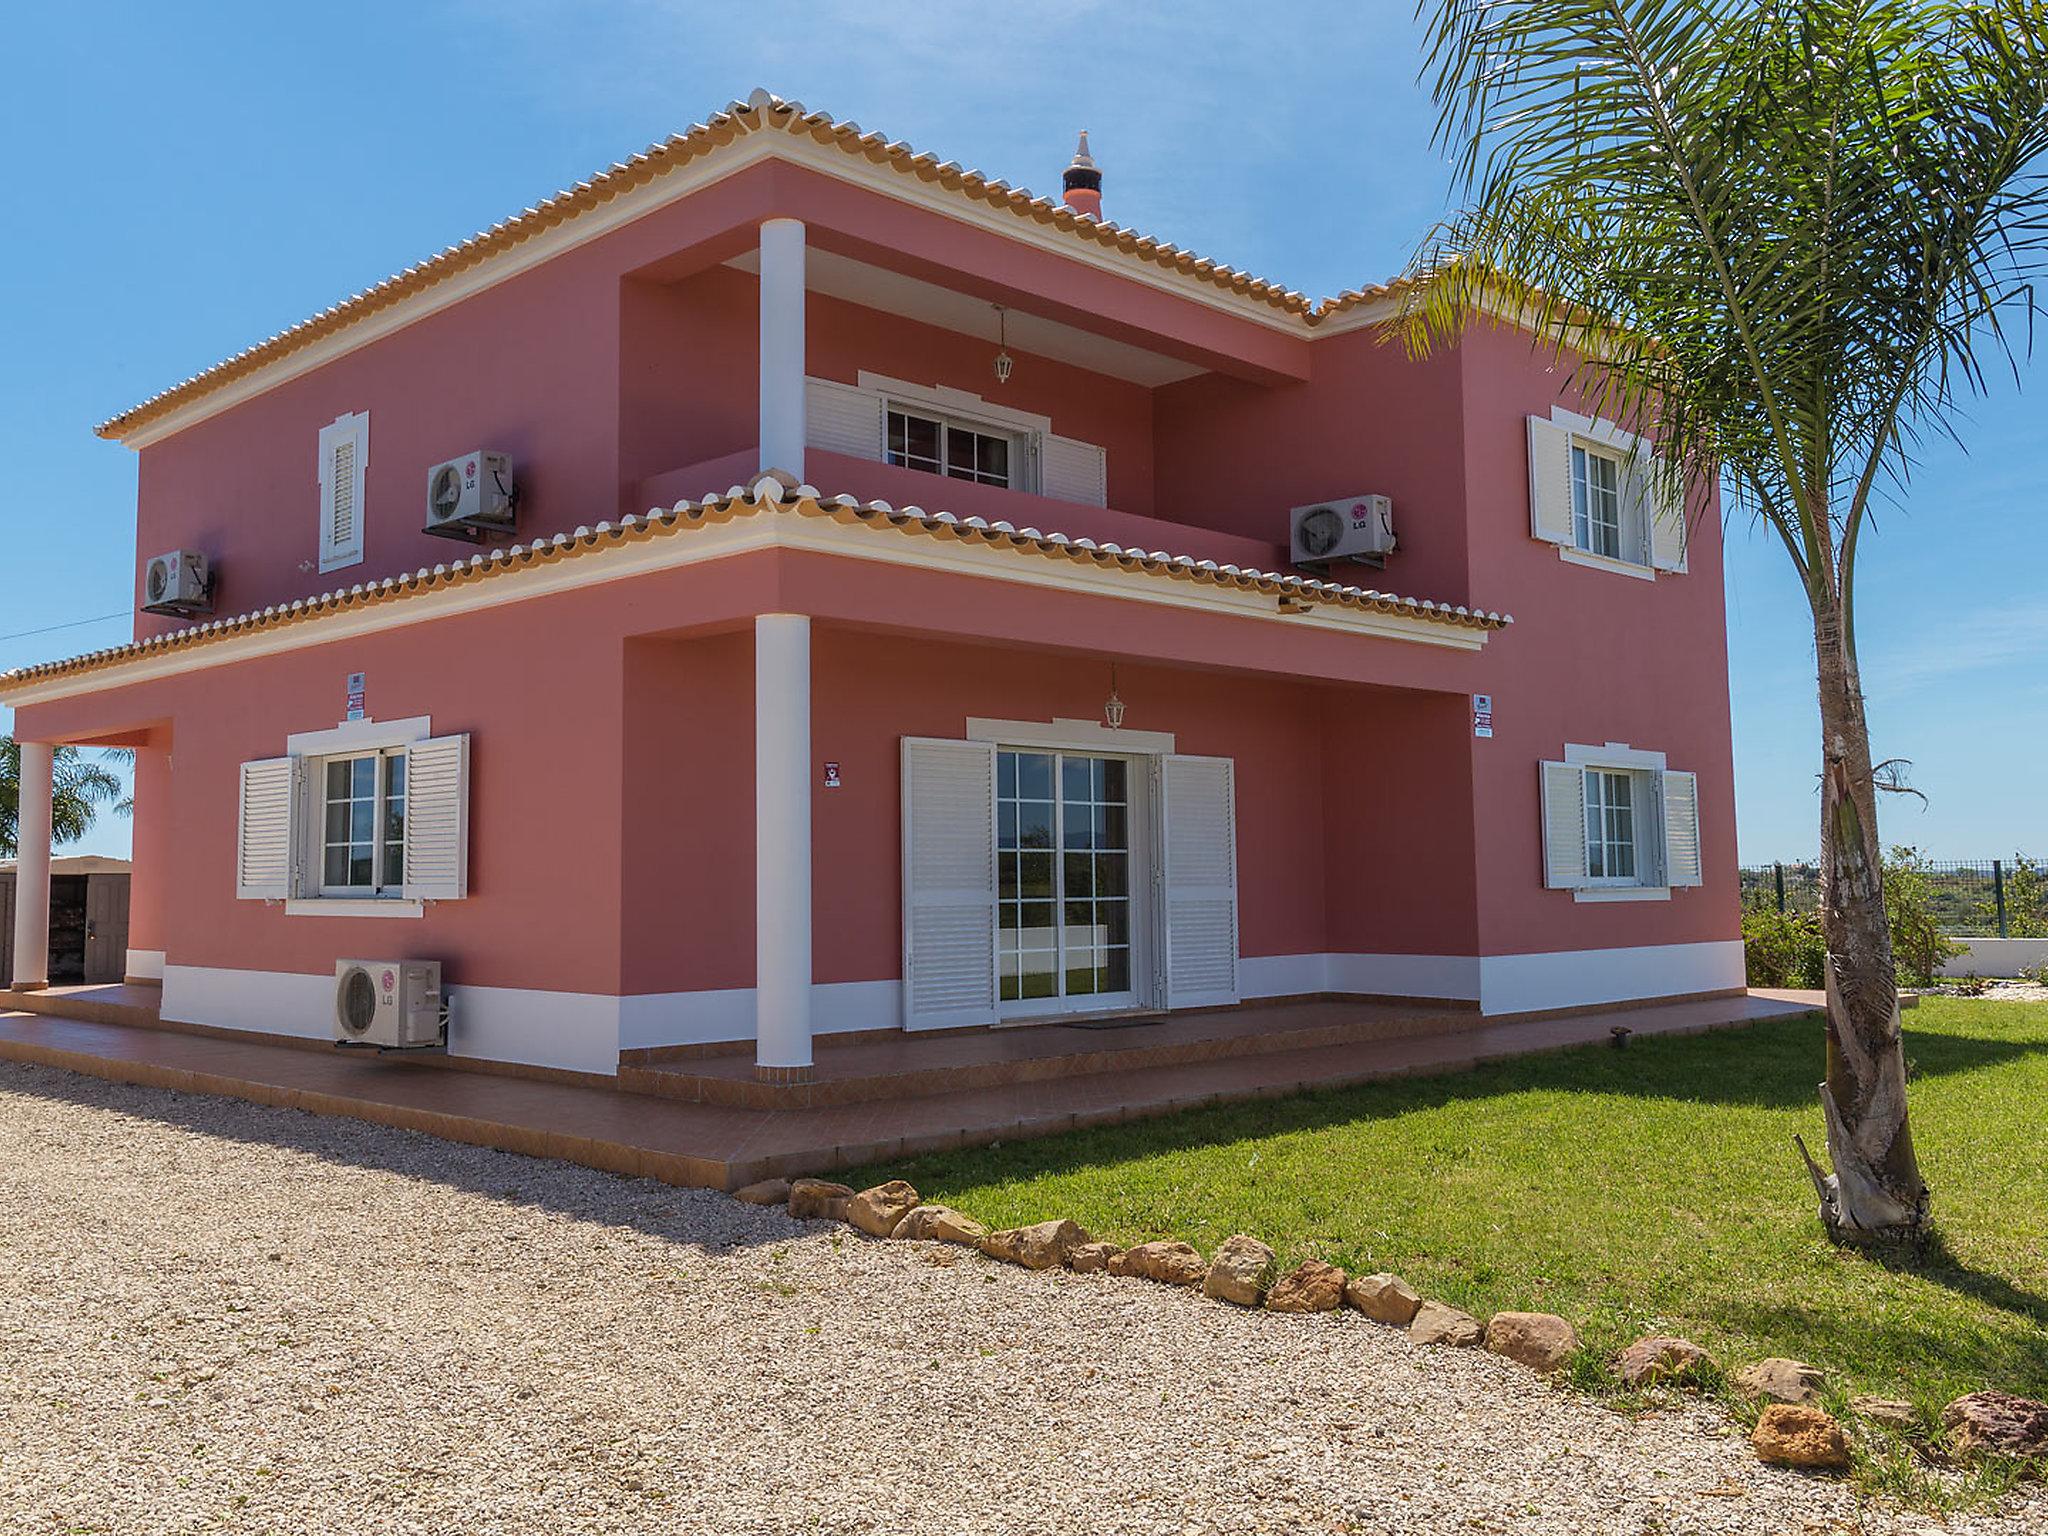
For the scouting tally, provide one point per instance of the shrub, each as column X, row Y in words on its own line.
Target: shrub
column 1918, row 944
column 2026, row 901
column 1783, row 949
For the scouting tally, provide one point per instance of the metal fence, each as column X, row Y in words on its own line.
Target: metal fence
column 1970, row 898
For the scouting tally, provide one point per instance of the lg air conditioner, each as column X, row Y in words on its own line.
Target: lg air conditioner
column 393, row 1004
column 470, row 495
column 180, row 582
column 1356, row 528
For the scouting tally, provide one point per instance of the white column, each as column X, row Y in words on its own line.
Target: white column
column 32, row 868
column 782, row 843
column 782, row 345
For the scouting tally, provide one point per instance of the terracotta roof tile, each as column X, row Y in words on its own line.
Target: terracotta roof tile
column 760, row 112
column 746, row 501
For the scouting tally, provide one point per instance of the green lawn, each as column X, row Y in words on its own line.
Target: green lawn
column 1652, row 1189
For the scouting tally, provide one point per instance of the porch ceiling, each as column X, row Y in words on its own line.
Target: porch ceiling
column 913, row 298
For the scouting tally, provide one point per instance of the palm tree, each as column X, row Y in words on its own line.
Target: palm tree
column 82, row 785
column 1783, row 239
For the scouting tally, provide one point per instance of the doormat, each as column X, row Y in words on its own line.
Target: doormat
column 1122, row 1021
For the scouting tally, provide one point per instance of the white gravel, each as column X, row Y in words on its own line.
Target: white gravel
column 216, row 1317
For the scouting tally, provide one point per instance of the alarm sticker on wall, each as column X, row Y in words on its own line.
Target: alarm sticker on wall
column 355, row 697
column 831, row 775
column 1482, row 715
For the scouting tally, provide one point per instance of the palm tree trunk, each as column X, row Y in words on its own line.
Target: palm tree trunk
column 1876, row 1190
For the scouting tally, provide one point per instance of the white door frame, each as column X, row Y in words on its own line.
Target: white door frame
column 1142, row 834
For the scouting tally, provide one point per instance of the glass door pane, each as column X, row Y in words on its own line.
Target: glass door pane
column 1063, row 869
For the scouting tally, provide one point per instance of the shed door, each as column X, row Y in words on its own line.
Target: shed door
column 106, row 928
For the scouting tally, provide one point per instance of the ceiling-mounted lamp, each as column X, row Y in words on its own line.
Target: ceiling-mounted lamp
column 1004, row 362
column 1113, row 707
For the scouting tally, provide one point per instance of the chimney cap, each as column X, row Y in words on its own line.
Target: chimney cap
column 1082, row 159
column 1081, row 182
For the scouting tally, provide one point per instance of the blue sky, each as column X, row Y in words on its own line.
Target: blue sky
column 189, row 180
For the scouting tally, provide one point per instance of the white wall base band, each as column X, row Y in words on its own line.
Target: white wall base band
column 1451, row 977
column 1996, row 957
column 144, row 965
column 1586, row 978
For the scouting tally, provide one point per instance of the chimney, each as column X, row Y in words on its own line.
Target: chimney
column 1081, row 182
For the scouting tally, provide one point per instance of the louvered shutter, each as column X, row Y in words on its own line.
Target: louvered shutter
column 266, row 836
column 1198, row 879
column 1550, row 481
column 842, row 419
column 344, row 459
column 1564, row 826
column 1668, row 529
column 949, row 883
column 437, row 819
column 1681, row 828
column 1070, row 470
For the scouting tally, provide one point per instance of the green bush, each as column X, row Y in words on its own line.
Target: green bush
column 2026, row 902
column 1918, row 944
column 1783, row 949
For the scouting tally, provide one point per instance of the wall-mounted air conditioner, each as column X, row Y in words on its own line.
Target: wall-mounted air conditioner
column 1358, row 528
column 395, row 1004
column 180, row 582
column 471, row 495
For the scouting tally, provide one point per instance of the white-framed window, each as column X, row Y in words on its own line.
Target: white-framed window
column 952, row 433
column 1595, row 491
column 1596, row 501
column 369, row 819
column 1619, row 825
column 962, row 450
column 362, row 823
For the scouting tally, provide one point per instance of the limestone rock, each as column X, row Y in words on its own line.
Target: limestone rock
column 1892, row 1412
column 1780, row 1380
column 1998, row 1422
column 1660, row 1357
column 1087, row 1258
column 1799, row 1435
column 1543, row 1341
column 940, row 1224
column 1043, row 1245
column 815, row 1199
column 1240, row 1272
column 767, row 1192
column 876, row 1211
column 1435, row 1323
column 1383, row 1298
column 1170, row 1263
column 1309, row 1287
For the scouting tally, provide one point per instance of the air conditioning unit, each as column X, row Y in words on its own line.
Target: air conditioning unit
column 393, row 1004
column 180, row 582
column 472, row 494
column 1359, row 528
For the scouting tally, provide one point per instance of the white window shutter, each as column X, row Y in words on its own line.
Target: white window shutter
column 1550, row 481
column 1667, row 526
column 266, row 841
column 949, row 883
column 344, row 459
column 1199, row 880
column 1070, row 470
column 841, row 419
column 437, row 819
column 1564, row 826
column 1682, row 865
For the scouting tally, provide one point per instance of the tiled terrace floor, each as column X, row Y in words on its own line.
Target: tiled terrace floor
column 724, row 1146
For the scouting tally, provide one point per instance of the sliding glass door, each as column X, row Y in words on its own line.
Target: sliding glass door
column 1064, row 887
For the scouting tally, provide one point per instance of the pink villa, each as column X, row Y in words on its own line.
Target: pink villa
column 789, row 585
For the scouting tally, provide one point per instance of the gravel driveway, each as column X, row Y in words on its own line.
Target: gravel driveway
column 221, row 1317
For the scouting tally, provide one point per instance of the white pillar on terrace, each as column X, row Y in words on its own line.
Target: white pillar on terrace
column 32, row 867
column 782, row 345
column 782, row 846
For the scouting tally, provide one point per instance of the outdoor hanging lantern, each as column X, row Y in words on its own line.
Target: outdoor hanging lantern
column 1004, row 362
column 1113, row 707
